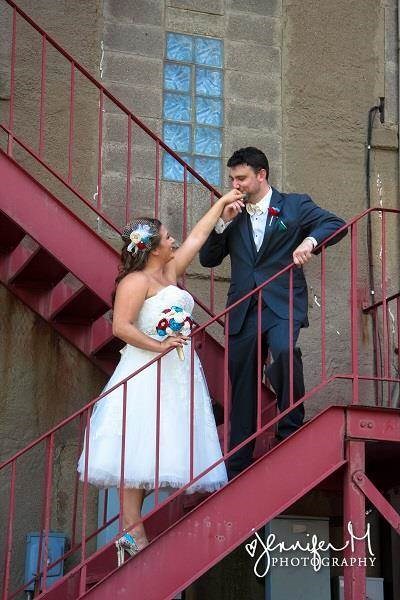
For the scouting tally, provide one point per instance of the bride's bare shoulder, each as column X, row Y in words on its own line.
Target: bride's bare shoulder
column 137, row 281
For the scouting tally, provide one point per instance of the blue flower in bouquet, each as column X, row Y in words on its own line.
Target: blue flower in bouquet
column 173, row 320
column 175, row 326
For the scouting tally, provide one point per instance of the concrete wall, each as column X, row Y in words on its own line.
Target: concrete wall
column 334, row 63
column 77, row 27
column 300, row 78
column 43, row 378
column 294, row 88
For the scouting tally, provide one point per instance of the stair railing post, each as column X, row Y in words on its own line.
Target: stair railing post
column 259, row 358
column 385, row 320
column 12, row 84
column 157, row 182
column 100, row 152
column 122, row 458
column 10, row 529
column 191, row 476
column 76, row 490
column 354, row 313
column 323, row 314
column 185, row 212
column 226, row 384
column 212, row 274
column 291, row 374
column 71, row 123
column 158, row 423
column 42, row 96
column 82, row 580
column 398, row 336
column 128, row 173
column 42, row 581
column 354, row 518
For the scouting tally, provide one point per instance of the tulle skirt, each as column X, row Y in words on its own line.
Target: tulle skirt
column 105, row 431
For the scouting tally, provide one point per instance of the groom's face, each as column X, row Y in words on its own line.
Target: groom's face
column 245, row 179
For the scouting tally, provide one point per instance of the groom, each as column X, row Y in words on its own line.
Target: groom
column 274, row 230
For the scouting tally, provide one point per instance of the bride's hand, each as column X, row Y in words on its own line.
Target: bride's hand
column 173, row 341
column 232, row 196
column 233, row 205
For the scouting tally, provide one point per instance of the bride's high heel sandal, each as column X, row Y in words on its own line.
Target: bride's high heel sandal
column 126, row 543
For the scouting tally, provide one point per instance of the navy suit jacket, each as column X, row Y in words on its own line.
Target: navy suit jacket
column 250, row 268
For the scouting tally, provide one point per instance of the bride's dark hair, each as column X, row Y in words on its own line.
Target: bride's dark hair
column 135, row 259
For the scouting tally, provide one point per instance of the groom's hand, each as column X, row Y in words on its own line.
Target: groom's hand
column 303, row 253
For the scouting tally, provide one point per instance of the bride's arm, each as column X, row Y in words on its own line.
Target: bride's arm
column 200, row 232
column 130, row 296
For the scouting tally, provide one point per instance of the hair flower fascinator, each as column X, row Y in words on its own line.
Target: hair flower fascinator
column 140, row 239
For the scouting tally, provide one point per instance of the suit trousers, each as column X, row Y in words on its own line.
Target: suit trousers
column 243, row 376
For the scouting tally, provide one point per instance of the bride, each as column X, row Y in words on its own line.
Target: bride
column 146, row 287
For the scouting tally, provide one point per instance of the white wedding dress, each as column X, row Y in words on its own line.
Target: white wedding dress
column 105, row 432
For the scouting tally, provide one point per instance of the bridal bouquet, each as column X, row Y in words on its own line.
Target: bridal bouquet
column 174, row 320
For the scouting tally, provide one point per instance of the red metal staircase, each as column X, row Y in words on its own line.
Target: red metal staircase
column 219, row 524
column 57, row 265
column 47, row 259
column 63, row 270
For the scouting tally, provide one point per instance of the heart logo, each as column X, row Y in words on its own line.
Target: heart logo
column 251, row 548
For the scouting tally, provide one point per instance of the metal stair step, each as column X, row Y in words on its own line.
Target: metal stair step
column 102, row 338
column 59, row 297
column 83, row 307
column 41, row 271
column 218, row 524
column 10, row 234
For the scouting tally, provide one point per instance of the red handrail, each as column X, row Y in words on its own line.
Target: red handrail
column 354, row 376
column 66, row 175
column 106, row 93
column 380, row 312
column 218, row 318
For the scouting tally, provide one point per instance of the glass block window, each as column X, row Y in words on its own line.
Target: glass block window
column 193, row 105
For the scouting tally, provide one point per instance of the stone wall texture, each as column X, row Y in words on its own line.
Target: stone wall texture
column 299, row 80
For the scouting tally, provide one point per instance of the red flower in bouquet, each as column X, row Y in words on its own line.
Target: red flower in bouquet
column 176, row 320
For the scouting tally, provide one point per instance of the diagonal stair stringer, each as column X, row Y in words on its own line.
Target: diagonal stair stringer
column 57, row 229
column 225, row 519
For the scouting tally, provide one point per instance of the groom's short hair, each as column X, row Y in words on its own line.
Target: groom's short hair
column 251, row 156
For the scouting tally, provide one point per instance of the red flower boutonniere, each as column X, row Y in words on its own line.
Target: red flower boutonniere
column 273, row 212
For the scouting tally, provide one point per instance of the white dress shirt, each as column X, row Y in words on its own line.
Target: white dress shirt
column 259, row 217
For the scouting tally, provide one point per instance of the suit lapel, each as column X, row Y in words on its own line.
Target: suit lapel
column 276, row 202
column 245, row 230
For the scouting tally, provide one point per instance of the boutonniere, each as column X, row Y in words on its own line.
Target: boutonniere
column 275, row 212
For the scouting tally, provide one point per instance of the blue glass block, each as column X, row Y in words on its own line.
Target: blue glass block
column 177, row 77
column 172, row 169
column 208, row 111
column 208, row 52
column 208, row 82
column 177, row 107
column 209, row 168
column 178, row 136
column 179, row 47
column 207, row 141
